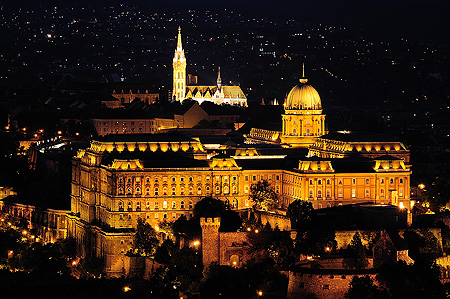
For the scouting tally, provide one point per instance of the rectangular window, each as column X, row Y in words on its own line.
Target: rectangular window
column 353, row 192
column 246, row 178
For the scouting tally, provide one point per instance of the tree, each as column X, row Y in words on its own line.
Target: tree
column 364, row 287
column 263, row 196
column 145, row 238
column 300, row 213
column 359, row 251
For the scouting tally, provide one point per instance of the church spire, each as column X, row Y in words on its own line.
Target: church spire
column 219, row 80
column 303, row 78
column 179, row 46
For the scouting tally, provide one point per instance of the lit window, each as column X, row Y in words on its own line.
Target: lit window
column 174, row 205
column 156, row 205
column 246, row 188
column 182, row 190
column 147, row 205
column 165, row 204
column 353, row 192
column 235, row 190
column 199, row 191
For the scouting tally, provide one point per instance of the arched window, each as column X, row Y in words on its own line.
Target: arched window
column 391, row 181
column 182, row 190
column 199, row 191
column 382, row 192
column 156, row 205
column 328, row 181
column 120, row 190
column 130, row 206
column 147, row 191
column 208, row 190
column 226, row 190
column 156, row 191
column 191, row 190
column 319, row 182
column 138, row 206
column 400, row 192
column 120, row 205
column 190, row 205
column 400, row 181
column 328, row 193
column 138, row 190
column 129, row 191
column 217, row 189
column 182, row 205
column 235, row 190
column 164, row 190
column 173, row 190
column 147, row 205
column 319, row 193
column 247, row 202
column 174, row 205
column 235, row 203
column 311, row 193
column 165, row 204
column 147, row 179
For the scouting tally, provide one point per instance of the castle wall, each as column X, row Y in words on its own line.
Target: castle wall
column 233, row 248
column 275, row 220
column 324, row 286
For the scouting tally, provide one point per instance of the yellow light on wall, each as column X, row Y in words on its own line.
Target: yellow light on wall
column 401, row 205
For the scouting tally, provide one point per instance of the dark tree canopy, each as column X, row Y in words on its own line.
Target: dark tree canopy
column 300, row 212
column 359, row 251
column 145, row 239
column 364, row 287
column 263, row 196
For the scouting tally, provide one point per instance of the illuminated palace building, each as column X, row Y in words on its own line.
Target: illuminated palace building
column 159, row 177
column 219, row 94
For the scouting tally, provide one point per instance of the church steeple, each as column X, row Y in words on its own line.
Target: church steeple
column 179, row 45
column 179, row 71
column 219, row 81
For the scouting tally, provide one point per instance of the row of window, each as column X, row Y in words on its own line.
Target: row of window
column 165, row 205
column 173, row 179
column 156, row 190
column 262, row 177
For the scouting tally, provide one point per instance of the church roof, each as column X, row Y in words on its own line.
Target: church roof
column 208, row 90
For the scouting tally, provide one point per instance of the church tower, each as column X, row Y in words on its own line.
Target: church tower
column 303, row 120
column 179, row 71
